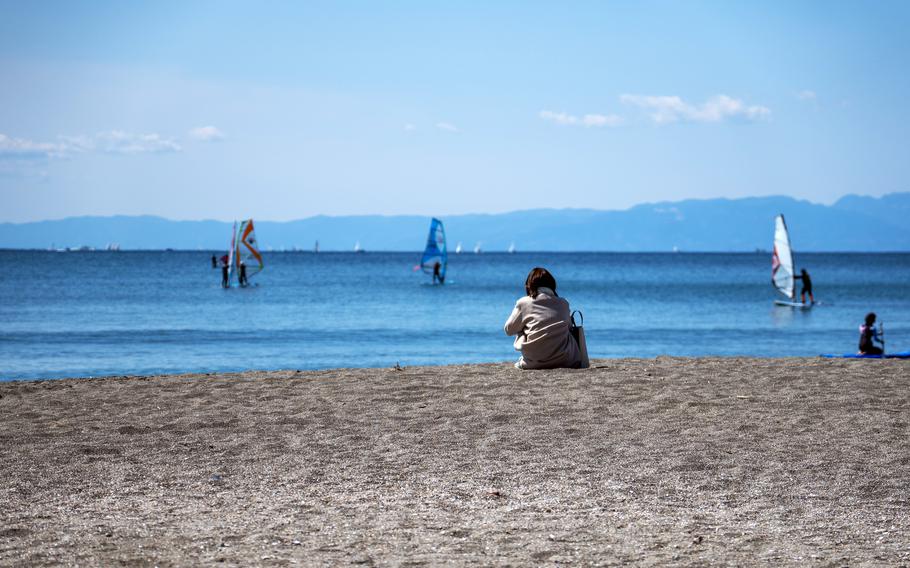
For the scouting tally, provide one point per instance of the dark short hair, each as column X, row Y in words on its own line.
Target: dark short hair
column 870, row 318
column 539, row 278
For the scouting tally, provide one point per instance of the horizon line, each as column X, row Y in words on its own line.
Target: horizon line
column 361, row 215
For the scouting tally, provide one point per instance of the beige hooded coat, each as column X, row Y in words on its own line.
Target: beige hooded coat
column 541, row 325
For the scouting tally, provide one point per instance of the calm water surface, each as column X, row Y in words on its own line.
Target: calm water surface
column 107, row 313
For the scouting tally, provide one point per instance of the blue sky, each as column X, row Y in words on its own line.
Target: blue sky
column 194, row 110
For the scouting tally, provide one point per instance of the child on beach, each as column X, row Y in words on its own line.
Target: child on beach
column 541, row 322
column 867, row 335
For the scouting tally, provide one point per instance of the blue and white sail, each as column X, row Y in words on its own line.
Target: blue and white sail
column 782, row 269
column 435, row 251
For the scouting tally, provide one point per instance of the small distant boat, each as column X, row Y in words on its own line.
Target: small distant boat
column 357, row 247
column 435, row 252
column 477, row 248
column 782, row 267
column 458, row 248
column 512, row 248
column 113, row 247
column 316, row 247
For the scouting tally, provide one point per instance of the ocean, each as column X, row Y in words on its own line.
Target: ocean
column 81, row 314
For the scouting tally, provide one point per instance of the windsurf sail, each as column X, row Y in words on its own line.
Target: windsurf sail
column 782, row 260
column 231, row 256
column 435, row 252
column 247, row 250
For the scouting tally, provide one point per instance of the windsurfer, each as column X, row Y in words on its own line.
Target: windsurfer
column 868, row 335
column 225, row 276
column 437, row 273
column 541, row 322
column 807, row 286
column 214, row 262
column 243, row 281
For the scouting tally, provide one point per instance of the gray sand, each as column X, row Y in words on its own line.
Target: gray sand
column 651, row 462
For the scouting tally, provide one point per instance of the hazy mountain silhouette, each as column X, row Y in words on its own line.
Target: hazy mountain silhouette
column 853, row 223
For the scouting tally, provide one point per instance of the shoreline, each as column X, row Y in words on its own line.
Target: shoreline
column 688, row 461
column 595, row 363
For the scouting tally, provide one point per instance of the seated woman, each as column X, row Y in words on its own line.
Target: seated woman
column 867, row 335
column 541, row 322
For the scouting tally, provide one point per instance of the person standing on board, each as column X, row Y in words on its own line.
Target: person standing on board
column 214, row 262
column 807, row 286
column 437, row 273
column 541, row 322
column 225, row 276
column 868, row 335
column 243, row 281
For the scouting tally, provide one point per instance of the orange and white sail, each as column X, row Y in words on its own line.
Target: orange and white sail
column 247, row 250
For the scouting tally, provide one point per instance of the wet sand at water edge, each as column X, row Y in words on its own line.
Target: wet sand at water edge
column 727, row 461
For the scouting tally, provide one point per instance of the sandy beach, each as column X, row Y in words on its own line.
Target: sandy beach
column 650, row 462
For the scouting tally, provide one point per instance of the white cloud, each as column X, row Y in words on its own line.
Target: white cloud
column 806, row 95
column 666, row 109
column 447, row 126
column 601, row 120
column 558, row 117
column 21, row 149
column 589, row 120
column 119, row 142
column 206, row 134
column 113, row 142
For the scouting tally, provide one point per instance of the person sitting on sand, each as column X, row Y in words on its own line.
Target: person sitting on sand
column 807, row 286
column 868, row 335
column 541, row 322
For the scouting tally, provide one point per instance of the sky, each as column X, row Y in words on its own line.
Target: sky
column 285, row 110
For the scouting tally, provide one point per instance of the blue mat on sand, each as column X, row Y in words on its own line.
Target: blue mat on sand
column 904, row 355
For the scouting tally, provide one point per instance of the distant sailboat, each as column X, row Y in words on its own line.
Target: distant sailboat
column 316, row 248
column 458, row 248
column 782, row 267
column 244, row 249
column 477, row 248
column 512, row 248
column 435, row 252
column 357, row 247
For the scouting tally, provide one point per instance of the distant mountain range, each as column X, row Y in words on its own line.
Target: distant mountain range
column 854, row 223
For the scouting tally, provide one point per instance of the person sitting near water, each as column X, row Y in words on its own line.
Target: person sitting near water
column 541, row 322
column 807, row 286
column 868, row 335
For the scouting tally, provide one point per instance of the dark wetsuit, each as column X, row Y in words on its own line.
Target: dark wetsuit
column 214, row 262
column 437, row 275
column 225, row 283
column 243, row 280
column 867, row 333
column 807, row 282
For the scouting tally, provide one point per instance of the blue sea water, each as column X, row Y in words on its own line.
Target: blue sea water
column 112, row 313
